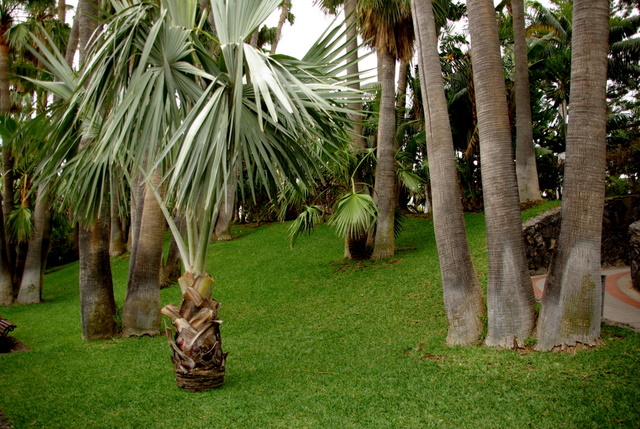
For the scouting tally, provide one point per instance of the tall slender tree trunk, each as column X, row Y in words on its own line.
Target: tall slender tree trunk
column 8, row 177
column 403, row 78
column 97, row 304
column 141, row 311
column 358, row 144
column 6, row 285
column 463, row 297
column 284, row 11
column 33, row 274
column 62, row 10
column 510, row 299
column 526, row 170
column 385, row 171
column 571, row 304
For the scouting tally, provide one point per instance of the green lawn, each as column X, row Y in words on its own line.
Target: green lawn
column 313, row 342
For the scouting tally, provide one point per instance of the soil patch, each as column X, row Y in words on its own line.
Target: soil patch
column 4, row 422
column 9, row 344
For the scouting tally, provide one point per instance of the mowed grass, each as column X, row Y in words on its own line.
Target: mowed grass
column 313, row 342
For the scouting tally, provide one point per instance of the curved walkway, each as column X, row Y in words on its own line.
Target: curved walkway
column 621, row 301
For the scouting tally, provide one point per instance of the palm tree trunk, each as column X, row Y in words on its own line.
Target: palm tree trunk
column 402, row 86
column 284, row 11
column 97, row 304
column 526, row 171
column 198, row 359
column 6, row 285
column 385, row 171
column 8, row 178
column 62, row 10
column 463, row 297
column 172, row 268
column 225, row 216
column 571, row 304
column 117, row 243
column 141, row 311
column 510, row 299
column 33, row 274
column 358, row 143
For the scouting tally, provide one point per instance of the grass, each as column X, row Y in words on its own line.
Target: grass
column 313, row 342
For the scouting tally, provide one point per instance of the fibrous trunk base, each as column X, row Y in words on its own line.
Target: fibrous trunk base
column 198, row 359
column 199, row 380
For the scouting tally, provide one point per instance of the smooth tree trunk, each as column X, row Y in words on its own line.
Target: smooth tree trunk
column 354, row 247
column 463, row 297
column 510, row 298
column 6, row 285
column 97, row 304
column 141, row 310
column 33, row 273
column 8, row 177
column 526, row 170
column 403, row 79
column 62, row 10
column 385, row 184
column 571, row 303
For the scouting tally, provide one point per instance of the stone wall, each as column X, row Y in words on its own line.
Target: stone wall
column 634, row 254
column 541, row 233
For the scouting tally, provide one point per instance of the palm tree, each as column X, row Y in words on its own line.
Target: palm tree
column 463, row 297
column 526, row 171
column 199, row 119
column 97, row 302
column 7, row 8
column 510, row 299
column 571, row 303
column 285, row 15
column 389, row 29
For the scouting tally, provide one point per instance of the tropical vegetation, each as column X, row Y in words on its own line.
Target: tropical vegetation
column 183, row 117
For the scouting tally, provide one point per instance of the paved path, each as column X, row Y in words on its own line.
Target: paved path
column 621, row 301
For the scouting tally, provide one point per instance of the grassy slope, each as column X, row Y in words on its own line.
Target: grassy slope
column 314, row 342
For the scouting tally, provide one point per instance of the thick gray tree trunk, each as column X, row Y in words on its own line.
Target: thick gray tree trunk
column 526, row 170
column 571, row 303
column 385, row 185
column 97, row 304
column 463, row 298
column 510, row 299
column 33, row 274
column 141, row 311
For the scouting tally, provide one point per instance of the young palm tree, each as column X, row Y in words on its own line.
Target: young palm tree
column 389, row 29
column 177, row 110
column 463, row 297
column 571, row 303
column 510, row 299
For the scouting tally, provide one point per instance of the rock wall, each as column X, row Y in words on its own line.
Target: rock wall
column 541, row 233
column 634, row 254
